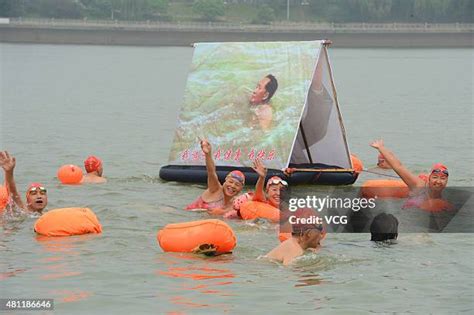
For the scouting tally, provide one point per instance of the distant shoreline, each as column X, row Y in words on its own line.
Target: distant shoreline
column 391, row 35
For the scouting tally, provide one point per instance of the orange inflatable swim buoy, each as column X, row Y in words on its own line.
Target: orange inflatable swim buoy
column 70, row 174
column 256, row 209
column 384, row 188
column 357, row 164
column 283, row 236
column 187, row 236
column 67, row 222
column 4, row 197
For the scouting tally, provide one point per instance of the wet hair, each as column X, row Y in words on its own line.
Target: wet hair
column 271, row 86
column 300, row 229
column 384, row 227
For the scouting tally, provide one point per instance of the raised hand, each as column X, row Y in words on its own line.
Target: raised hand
column 7, row 162
column 377, row 144
column 289, row 171
column 259, row 168
column 206, row 146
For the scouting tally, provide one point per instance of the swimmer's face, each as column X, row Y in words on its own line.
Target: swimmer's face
column 273, row 194
column 437, row 181
column 37, row 199
column 260, row 94
column 232, row 187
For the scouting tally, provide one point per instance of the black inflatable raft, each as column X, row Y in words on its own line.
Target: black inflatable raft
column 198, row 174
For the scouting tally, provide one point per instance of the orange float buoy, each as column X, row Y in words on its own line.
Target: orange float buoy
column 384, row 188
column 256, row 209
column 70, row 174
column 357, row 164
column 283, row 236
column 67, row 222
column 4, row 197
column 187, row 236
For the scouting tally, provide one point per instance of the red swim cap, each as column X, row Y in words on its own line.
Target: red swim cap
column 238, row 175
column 439, row 168
column 92, row 163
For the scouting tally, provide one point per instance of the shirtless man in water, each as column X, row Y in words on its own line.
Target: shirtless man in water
column 260, row 101
column 303, row 237
column 36, row 194
column 217, row 198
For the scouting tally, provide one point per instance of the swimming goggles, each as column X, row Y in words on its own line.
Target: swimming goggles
column 237, row 177
column 277, row 181
column 437, row 171
column 39, row 189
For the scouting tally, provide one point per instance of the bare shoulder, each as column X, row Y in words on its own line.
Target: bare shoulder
column 87, row 179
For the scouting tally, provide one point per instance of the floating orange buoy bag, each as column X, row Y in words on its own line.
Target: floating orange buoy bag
column 283, row 236
column 384, row 188
column 4, row 197
column 256, row 209
column 187, row 236
column 67, row 222
column 357, row 164
column 70, row 174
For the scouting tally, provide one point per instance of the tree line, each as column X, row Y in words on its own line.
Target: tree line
column 263, row 11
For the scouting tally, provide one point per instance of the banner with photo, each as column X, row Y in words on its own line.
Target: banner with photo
column 247, row 100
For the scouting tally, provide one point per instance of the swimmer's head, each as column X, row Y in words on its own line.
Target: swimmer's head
column 264, row 90
column 93, row 164
column 274, row 186
column 309, row 234
column 382, row 163
column 438, row 178
column 36, row 197
column 234, row 183
column 384, row 227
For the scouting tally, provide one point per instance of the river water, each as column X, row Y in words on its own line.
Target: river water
column 60, row 104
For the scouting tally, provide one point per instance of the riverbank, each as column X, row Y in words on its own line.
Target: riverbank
column 184, row 34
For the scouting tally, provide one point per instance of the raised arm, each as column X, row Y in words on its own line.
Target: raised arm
column 8, row 163
column 408, row 177
column 260, row 169
column 213, row 184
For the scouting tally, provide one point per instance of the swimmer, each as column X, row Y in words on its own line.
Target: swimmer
column 260, row 101
column 94, row 169
column 217, row 198
column 36, row 194
column 303, row 237
column 420, row 190
column 274, row 186
column 384, row 227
